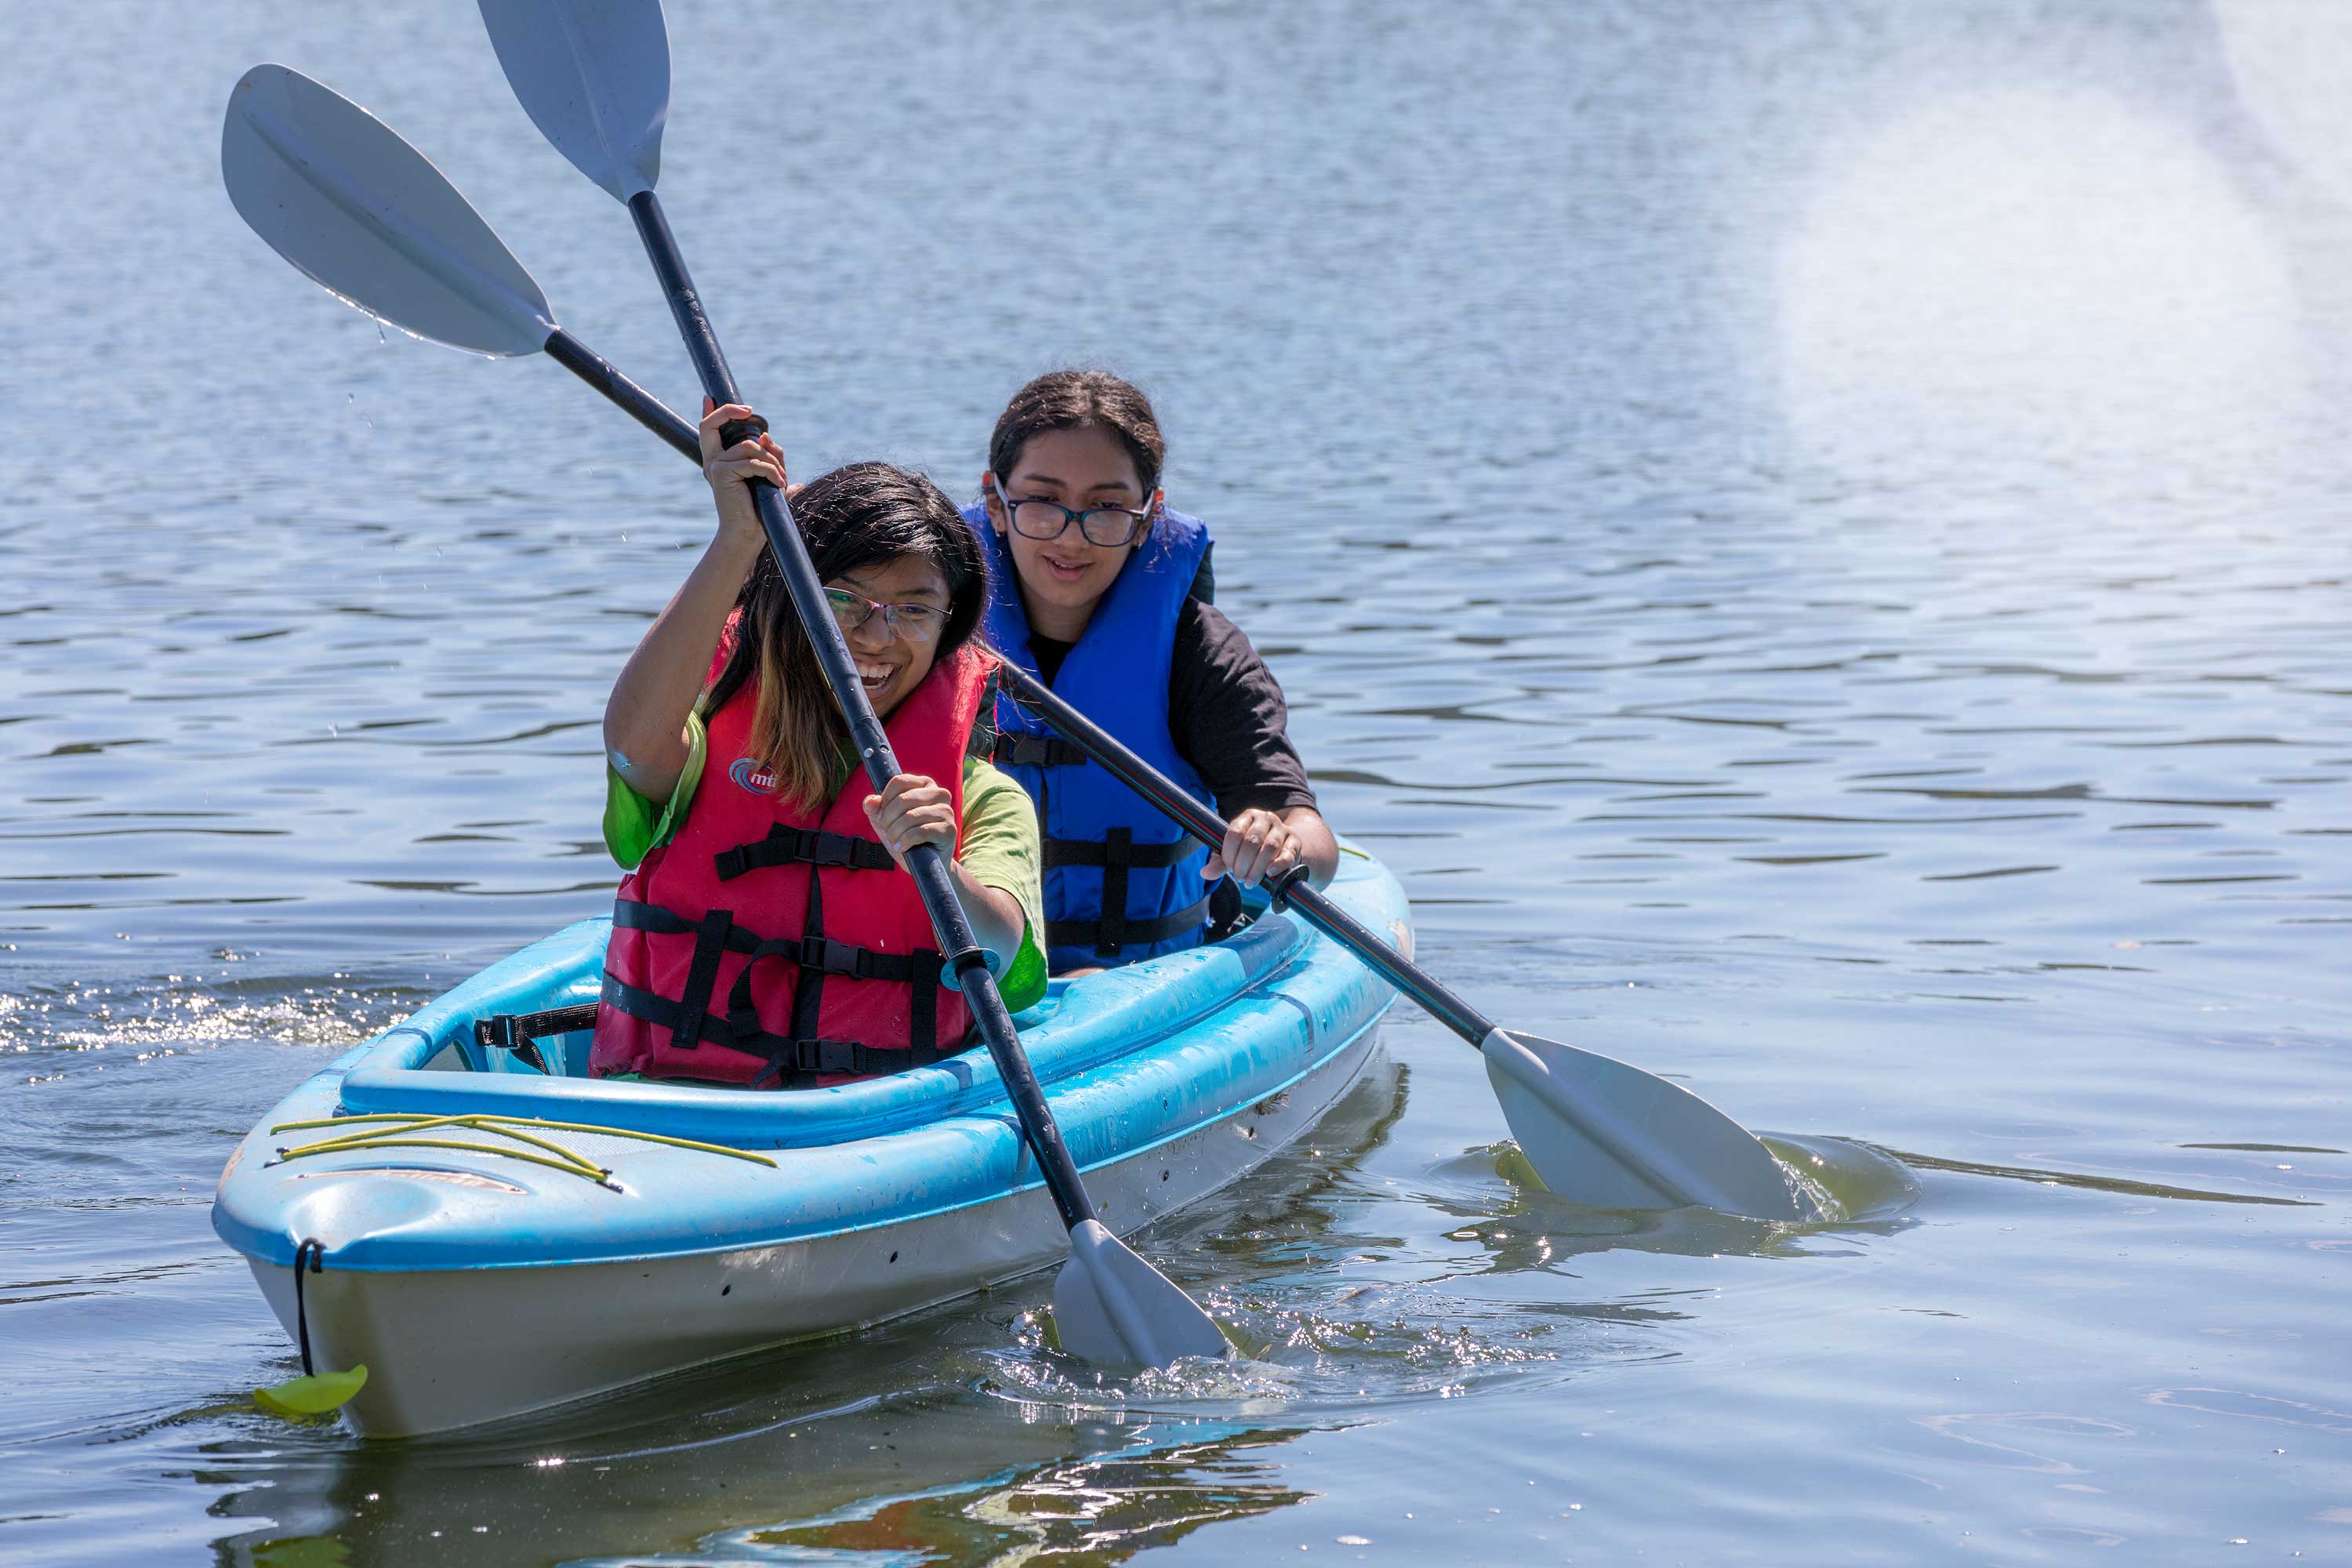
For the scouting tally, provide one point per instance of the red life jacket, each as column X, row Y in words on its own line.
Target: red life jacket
column 834, row 971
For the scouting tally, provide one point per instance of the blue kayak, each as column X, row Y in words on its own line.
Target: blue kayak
column 496, row 1233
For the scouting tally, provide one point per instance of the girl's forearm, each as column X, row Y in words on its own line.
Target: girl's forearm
column 995, row 914
column 645, row 718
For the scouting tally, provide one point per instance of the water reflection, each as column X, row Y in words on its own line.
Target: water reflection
column 1158, row 1488
column 2102, row 1184
column 1121, row 1490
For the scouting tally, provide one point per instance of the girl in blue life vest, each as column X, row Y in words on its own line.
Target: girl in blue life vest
column 1101, row 591
column 767, row 933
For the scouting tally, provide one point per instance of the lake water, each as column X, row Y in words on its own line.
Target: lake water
column 1813, row 538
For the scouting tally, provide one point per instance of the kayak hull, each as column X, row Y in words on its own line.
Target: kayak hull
column 567, row 1236
column 594, row 1328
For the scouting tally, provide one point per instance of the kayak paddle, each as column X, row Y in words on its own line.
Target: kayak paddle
column 341, row 195
column 595, row 80
column 336, row 191
column 1595, row 1129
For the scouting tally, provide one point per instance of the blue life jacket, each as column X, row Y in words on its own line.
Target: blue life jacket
column 1099, row 834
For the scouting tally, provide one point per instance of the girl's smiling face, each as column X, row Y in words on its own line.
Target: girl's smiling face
column 1064, row 578
column 888, row 665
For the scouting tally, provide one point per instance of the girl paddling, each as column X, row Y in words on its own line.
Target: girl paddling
column 1101, row 591
column 766, row 934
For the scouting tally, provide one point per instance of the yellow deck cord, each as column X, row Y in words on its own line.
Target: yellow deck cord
column 399, row 1131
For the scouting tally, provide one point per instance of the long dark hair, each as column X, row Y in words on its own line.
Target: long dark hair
column 859, row 515
column 1080, row 400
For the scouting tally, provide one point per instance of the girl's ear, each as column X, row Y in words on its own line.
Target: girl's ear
column 991, row 500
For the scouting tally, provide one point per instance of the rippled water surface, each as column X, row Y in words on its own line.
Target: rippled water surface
column 1813, row 538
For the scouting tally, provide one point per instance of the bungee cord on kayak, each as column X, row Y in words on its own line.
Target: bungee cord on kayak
column 399, row 1131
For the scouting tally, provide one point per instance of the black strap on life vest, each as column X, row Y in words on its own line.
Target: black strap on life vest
column 789, row 1059
column 801, row 847
column 691, row 1021
column 1088, row 933
column 1114, row 930
column 1035, row 751
column 1116, row 853
column 1097, row 852
column 520, row 1032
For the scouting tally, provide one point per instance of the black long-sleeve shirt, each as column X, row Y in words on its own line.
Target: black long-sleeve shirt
column 1225, row 713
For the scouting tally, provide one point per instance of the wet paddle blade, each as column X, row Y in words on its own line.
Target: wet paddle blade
column 1600, row 1132
column 336, row 191
column 320, row 1393
column 1112, row 1307
column 594, row 76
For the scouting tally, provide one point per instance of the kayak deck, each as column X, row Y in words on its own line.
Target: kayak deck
column 637, row 1228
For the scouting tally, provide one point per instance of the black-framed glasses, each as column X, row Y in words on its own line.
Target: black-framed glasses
column 1034, row 517
column 911, row 622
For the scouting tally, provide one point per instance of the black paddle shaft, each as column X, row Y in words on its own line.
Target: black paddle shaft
column 634, row 400
column 1138, row 775
column 924, row 862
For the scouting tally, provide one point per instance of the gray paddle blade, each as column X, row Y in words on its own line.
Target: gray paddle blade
column 1112, row 1307
column 1604, row 1133
column 594, row 76
column 334, row 191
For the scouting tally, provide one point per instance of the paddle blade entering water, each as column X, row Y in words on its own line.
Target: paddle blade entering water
column 318, row 1394
column 336, row 191
column 1600, row 1132
column 1110, row 1306
column 594, row 76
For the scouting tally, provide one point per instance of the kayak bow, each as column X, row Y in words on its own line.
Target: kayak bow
column 497, row 1239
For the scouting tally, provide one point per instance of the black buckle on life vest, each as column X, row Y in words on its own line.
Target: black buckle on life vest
column 1035, row 751
column 841, row 958
column 831, row 1056
column 691, row 1018
column 800, row 847
column 788, row 1058
column 793, row 1059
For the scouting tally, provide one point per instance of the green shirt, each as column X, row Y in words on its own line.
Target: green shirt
column 999, row 846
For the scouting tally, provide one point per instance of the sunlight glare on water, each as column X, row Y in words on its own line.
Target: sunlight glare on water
column 2038, row 276
column 2287, row 59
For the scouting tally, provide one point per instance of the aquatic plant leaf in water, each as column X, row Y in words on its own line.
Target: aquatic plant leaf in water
column 320, row 1393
